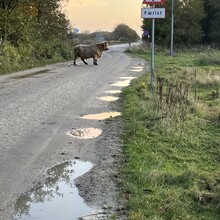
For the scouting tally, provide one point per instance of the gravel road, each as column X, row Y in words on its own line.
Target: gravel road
column 38, row 108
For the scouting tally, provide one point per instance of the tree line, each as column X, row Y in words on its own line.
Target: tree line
column 195, row 22
column 37, row 31
column 121, row 33
column 33, row 31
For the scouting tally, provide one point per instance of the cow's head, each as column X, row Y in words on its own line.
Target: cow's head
column 104, row 45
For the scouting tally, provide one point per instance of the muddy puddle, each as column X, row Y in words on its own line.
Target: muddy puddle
column 102, row 116
column 31, row 74
column 57, row 198
column 86, row 133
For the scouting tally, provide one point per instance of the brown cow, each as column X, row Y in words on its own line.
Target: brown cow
column 90, row 51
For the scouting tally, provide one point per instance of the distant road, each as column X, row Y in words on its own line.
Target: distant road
column 37, row 109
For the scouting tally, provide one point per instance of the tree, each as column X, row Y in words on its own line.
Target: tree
column 36, row 28
column 187, row 23
column 211, row 22
column 50, row 21
column 8, row 17
column 123, row 32
column 38, row 19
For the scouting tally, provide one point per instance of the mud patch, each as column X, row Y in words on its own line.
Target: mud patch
column 57, row 198
column 30, row 74
column 102, row 116
column 86, row 133
column 108, row 98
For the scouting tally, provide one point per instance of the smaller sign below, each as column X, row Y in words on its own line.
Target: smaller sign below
column 153, row 12
column 145, row 33
column 75, row 30
column 149, row 2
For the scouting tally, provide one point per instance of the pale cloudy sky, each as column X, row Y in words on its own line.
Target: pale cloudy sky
column 104, row 15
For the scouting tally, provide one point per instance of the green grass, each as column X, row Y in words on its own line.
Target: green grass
column 172, row 143
column 210, row 57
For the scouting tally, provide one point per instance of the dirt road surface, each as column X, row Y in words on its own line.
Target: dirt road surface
column 38, row 108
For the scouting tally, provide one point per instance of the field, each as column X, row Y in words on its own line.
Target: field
column 171, row 139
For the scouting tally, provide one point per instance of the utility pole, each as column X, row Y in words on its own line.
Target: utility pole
column 172, row 27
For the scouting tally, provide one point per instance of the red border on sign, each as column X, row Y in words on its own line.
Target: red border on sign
column 148, row 2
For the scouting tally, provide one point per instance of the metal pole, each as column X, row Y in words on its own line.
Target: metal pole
column 152, row 55
column 172, row 27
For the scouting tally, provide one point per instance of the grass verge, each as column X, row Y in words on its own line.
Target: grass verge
column 171, row 141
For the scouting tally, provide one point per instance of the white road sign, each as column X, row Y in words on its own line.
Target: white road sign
column 153, row 12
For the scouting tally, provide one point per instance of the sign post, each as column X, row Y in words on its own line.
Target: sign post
column 152, row 55
column 172, row 27
column 153, row 13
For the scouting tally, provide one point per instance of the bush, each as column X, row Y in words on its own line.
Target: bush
column 28, row 55
column 26, row 52
column 9, row 59
column 56, row 51
column 64, row 50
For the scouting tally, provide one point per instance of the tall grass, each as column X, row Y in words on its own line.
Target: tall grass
column 209, row 58
column 172, row 143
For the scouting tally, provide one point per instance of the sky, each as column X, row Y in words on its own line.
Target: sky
column 103, row 15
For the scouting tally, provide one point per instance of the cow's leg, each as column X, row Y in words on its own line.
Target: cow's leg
column 75, row 58
column 95, row 60
column 84, row 61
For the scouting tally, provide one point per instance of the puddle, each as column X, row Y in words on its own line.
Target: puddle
column 122, row 83
column 128, row 77
column 136, row 70
column 125, row 81
column 86, row 133
column 113, row 91
column 30, row 74
column 137, row 67
column 108, row 98
column 102, row 116
column 57, row 198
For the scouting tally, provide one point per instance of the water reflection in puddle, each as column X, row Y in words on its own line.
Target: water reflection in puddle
column 138, row 67
column 128, row 77
column 113, row 91
column 122, row 83
column 136, row 70
column 108, row 98
column 57, row 198
column 101, row 116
